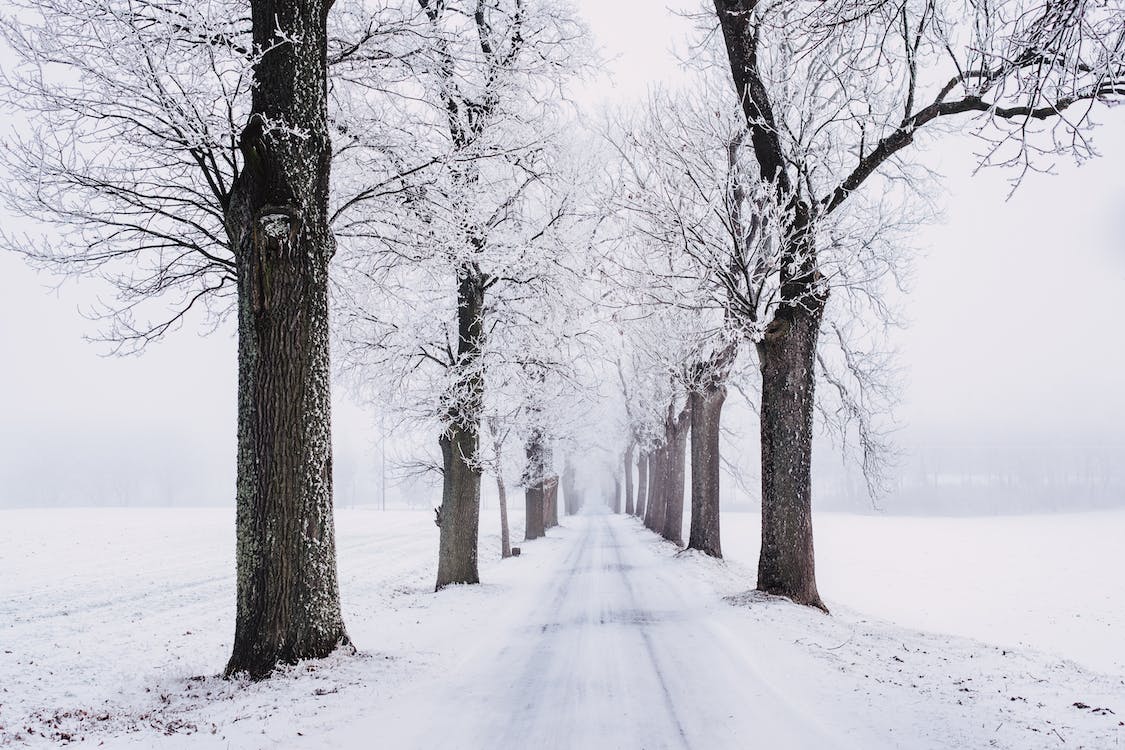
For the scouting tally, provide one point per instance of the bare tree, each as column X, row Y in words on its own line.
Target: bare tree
column 835, row 93
column 478, row 233
column 130, row 151
column 288, row 595
column 182, row 184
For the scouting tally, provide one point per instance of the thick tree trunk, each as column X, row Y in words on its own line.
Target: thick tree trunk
column 617, row 494
column 288, row 602
column 672, row 528
column 460, row 510
column 706, row 416
column 642, row 484
column 460, row 496
column 505, row 537
column 787, row 359
column 629, row 502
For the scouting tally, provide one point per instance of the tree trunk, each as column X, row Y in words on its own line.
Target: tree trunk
column 706, row 416
column 657, row 487
column 787, row 353
column 630, row 507
column 288, row 602
column 535, row 501
column 505, row 537
column 460, row 509
column 617, row 493
column 550, row 502
column 642, row 483
column 787, row 357
column 460, row 496
column 672, row 527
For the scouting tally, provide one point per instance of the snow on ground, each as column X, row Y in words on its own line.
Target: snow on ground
column 114, row 623
column 1046, row 582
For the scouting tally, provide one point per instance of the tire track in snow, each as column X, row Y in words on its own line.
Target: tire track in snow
column 622, row 571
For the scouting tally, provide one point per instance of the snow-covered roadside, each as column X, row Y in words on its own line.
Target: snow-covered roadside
column 113, row 624
column 928, row 690
column 1044, row 582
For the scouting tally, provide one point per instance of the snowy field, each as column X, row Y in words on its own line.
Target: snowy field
column 945, row 633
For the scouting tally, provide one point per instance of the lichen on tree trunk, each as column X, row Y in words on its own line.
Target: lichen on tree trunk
column 288, row 603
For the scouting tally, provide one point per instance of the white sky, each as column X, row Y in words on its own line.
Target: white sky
column 1016, row 313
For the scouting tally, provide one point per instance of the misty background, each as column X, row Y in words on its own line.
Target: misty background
column 1012, row 356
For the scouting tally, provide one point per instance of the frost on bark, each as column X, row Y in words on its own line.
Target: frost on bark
column 460, row 443
column 787, row 360
column 706, row 416
column 787, row 354
column 288, row 604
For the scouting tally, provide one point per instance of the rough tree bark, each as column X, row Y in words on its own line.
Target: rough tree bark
column 787, row 358
column 642, row 484
column 676, row 431
column 629, row 502
column 288, row 603
column 461, row 476
column 706, row 416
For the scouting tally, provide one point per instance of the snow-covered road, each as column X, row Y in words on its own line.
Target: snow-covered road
column 114, row 624
column 611, row 648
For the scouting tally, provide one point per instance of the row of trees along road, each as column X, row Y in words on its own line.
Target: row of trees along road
column 755, row 225
column 416, row 168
